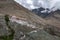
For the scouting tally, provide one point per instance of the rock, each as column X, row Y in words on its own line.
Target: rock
column 40, row 35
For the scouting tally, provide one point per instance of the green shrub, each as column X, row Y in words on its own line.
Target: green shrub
column 7, row 19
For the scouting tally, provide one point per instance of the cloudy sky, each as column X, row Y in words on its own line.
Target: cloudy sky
column 32, row 4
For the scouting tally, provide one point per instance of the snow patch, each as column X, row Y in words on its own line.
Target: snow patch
column 46, row 11
column 34, row 31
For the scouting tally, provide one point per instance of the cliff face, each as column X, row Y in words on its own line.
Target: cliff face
column 27, row 25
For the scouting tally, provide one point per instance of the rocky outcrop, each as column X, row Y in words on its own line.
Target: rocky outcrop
column 55, row 31
column 24, row 32
column 40, row 35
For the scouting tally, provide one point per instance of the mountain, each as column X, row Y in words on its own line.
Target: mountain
column 19, row 23
column 42, row 12
column 7, row 8
column 51, row 18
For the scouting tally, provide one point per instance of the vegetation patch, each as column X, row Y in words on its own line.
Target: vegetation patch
column 11, row 36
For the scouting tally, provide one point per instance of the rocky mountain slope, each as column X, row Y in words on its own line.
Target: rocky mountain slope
column 26, row 25
column 51, row 18
column 42, row 12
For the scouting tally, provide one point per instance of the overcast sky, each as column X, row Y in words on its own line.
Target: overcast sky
column 32, row 4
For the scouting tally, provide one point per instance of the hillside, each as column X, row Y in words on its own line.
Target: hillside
column 25, row 23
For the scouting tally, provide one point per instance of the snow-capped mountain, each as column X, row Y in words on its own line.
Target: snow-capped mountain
column 42, row 12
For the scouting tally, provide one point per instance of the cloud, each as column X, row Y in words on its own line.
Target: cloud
column 32, row 4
